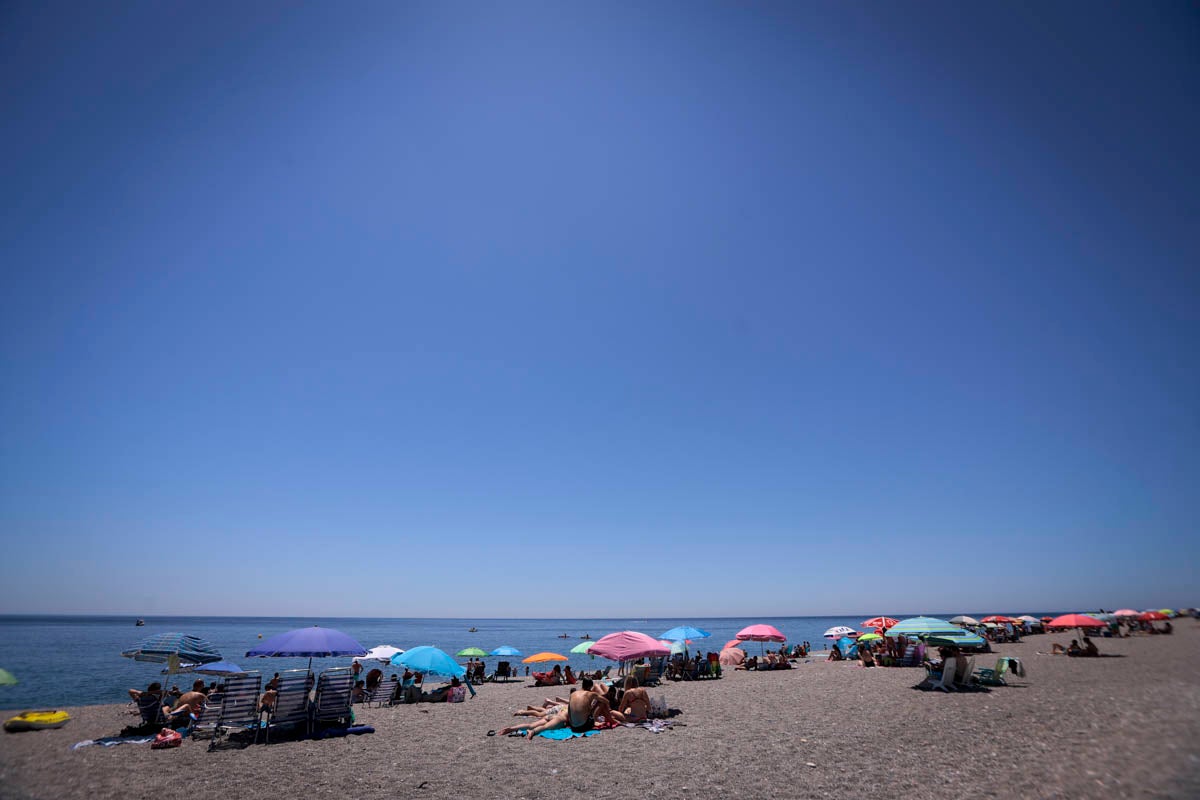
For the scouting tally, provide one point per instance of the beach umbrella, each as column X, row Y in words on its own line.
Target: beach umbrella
column 218, row 668
column 869, row 637
column 676, row 648
column 471, row 652
column 580, row 648
column 1076, row 621
column 627, row 646
column 381, row 652
column 310, row 643
column 838, row 632
column 7, row 678
column 505, row 650
column 969, row 640
column 963, row 619
column 879, row 622
column 1125, row 612
column 1151, row 616
column 927, row 626
column 1024, row 618
column 732, row 657
column 760, row 633
column 731, row 643
column 998, row 618
column 846, row 644
column 1170, row 612
column 179, row 651
column 426, row 659
column 684, row 632
column 538, row 658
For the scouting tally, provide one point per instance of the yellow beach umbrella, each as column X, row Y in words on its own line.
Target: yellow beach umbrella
column 538, row 658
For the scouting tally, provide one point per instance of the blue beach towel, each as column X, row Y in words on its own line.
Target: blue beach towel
column 112, row 741
column 558, row 734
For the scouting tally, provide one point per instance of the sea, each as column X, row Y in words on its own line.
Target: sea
column 76, row 660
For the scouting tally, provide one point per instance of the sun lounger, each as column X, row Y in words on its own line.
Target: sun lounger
column 383, row 693
column 237, row 707
column 150, row 706
column 291, row 705
column 995, row 676
column 332, row 703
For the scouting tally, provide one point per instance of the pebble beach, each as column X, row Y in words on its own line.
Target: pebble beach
column 1121, row 726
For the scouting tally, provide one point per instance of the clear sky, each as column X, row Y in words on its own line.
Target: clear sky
column 591, row 309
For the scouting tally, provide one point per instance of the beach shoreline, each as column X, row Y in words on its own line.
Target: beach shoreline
column 1127, row 726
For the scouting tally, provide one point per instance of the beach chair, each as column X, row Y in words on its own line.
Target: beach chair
column 291, row 704
column 383, row 693
column 503, row 671
column 332, row 703
column 654, row 671
column 962, row 675
column 236, row 708
column 995, row 676
column 150, row 706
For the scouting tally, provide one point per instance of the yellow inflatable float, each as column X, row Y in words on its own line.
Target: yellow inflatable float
column 36, row 721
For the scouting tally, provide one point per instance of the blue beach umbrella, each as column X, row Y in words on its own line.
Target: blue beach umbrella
column 161, row 648
column 970, row 640
column 505, row 650
column 219, row 668
column 929, row 626
column 848, row 646
column 682, row 632
column 430, row 659
column 310, row 643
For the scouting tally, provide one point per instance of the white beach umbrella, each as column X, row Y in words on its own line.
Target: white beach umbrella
column 963, row 619
column 382, row 652
column 838, row 632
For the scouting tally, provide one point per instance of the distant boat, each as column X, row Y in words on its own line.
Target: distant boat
column 139, row 623
column 472, row 630
column 564, row 636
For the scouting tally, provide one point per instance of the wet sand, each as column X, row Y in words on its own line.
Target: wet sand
column 1109, row 727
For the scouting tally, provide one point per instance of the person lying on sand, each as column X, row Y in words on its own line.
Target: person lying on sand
column 585, row 708
column 549, row 707
column 188, row 703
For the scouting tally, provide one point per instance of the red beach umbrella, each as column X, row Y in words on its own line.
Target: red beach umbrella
column 1152, row 616
column 1000, row 618
column 1076, row 621
column 879, row 622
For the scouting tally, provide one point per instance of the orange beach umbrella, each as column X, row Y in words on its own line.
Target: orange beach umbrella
column 538, row 658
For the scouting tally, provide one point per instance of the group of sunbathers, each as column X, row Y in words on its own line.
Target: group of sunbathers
column 590, row 705
column 555, row 677
column 1087, row 650
column 176, row 705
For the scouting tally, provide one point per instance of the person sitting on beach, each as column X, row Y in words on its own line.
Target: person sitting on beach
column 359, row 693
column 153, row 690
column 1168, row 628
column 865, row 656
column 1089, row 649
column 584, row 709
column 452, row 692
column 568, row 676
column 189, row 703
column 635, row 702
column 1073, row 649
column 835, row 653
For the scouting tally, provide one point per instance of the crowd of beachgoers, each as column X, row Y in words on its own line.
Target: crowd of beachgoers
column 752, row 696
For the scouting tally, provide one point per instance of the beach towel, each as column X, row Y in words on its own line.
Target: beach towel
column 353, row 730
column 113, row 741
column 558, row 734
column 652, row 725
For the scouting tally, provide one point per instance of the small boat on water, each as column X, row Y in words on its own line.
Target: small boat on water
column 564, row 636
column 472, row 630
column 140, row 622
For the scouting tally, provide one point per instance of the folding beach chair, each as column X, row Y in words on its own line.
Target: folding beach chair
column 237, row 707
column 334, row 689
column 291, row 704
column 383, row 693
column 150, row 706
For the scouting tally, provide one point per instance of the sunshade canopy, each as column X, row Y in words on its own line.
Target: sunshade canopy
column 429, row 659
column 929, row 626
column 681, row 632
column 159, row 648
column 998, row 618
column 760, row 633
column 1126, row 612
column 382, row 652
column 1026, row 618
column 1149, row 616
column 969, row 640
column 732, row 643
column 879, row 622
column 538, row 658
column 1076, row 621
column 963, row 619
column 839, row 631
column 314, row 642
column 582, row 647
column 628, row 645
column 505, row 650
column 869, row 637
column 732, row 656
column 218, row 668
column 471, row 652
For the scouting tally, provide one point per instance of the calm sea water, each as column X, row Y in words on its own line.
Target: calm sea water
column 76, row 660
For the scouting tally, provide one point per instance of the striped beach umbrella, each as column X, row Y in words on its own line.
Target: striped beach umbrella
column 927, row 626
column 161, row 647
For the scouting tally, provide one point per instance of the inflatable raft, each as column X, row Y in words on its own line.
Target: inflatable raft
column 36, row 721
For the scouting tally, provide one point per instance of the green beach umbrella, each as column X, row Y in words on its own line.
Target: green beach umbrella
column 473, row 652
column 869, row 637
column 928, row 626
column 970, row 640
column 7, row 678
column 582, row 647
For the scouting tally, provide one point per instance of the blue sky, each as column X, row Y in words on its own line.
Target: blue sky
column 417, row 309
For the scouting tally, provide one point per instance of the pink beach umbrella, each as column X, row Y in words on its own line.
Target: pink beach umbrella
column 731, row 644
column 627, row 646
column 760, row 633
column 1125, row 612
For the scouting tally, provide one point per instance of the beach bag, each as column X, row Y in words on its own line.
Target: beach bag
column 457, row 694
column 658, row 706
column 166, row 738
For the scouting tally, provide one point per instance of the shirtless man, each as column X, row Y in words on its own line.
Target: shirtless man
column 579, row 715
column 635, row 702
